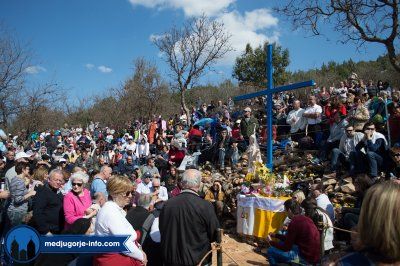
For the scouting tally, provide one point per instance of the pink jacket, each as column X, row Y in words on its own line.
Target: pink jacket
column 74, row 207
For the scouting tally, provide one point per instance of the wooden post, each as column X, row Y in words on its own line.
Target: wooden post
column 220, row 233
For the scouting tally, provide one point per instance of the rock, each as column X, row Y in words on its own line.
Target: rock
column 329, row 182
column 348, row 188
column 228, row 170
column 329, row 188
column 348, row 180
column 329, row 176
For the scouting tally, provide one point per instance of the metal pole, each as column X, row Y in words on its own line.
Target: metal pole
column 268, row 106
column 220, row 233
column 387, row 123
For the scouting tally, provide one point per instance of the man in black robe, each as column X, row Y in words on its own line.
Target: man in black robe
column 188, row 224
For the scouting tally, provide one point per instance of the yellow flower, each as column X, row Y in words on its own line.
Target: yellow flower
column 249, row 177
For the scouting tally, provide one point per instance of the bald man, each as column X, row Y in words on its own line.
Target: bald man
column 313, row 114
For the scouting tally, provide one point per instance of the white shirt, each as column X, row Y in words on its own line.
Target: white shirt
column 142, row 188
column 155, row 231
column 324, row 203
column 299, row 122
column 328, row 233
column 163, row 194
column 143, row 150
column 131, row 147
column 311, row 110
column 111, row 221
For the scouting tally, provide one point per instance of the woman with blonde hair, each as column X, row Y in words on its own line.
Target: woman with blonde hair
column 298, row 196
column 378, row 228
column 40, row 174
column 111, row 221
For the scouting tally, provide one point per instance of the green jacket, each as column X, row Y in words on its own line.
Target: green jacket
column 248, row 128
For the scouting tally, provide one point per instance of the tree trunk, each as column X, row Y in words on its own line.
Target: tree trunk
column 392, row 56
column 183, row 104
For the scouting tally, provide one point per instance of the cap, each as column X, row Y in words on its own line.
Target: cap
column 147, row 175
column 60, row 146
column 238, row 121
column 62, row 160
column 21, row 155
column 247, row 109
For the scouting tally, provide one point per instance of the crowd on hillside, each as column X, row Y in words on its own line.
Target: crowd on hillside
column 142, row 181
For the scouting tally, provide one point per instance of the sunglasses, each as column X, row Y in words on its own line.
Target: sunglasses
column 77, row 184
column 128, row 193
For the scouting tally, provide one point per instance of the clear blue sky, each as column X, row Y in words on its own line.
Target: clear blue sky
column 88, row 46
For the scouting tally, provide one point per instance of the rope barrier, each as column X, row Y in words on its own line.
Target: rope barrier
column 216, row 247
column 344, row 230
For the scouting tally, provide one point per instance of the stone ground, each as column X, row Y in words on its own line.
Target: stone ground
column 242, row 252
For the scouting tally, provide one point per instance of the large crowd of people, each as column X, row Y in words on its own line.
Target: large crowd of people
column 139, row 181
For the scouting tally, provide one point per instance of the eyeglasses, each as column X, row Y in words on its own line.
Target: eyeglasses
column 77, row 184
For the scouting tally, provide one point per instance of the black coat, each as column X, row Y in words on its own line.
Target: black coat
column 48, row 213
column 136, row 217
column 188, row 226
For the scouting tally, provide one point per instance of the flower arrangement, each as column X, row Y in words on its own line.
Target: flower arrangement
column 264, row 174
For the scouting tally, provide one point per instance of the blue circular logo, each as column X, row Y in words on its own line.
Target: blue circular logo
column 22, row 244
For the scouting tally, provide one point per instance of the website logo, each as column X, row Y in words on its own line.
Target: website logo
column 22, row 244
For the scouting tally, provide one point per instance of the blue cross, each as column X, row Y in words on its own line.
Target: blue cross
column 268, row 92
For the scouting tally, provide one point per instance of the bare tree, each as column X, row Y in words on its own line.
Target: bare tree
column 191, row 50
column 362, row 21
column 13, row 61
column 145, row 93
column 40, row 108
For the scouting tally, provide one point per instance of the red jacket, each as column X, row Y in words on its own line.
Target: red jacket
column 176, row 155
column 303, row 233
column 236, row 133
column 331, row 111
column 195, row 132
